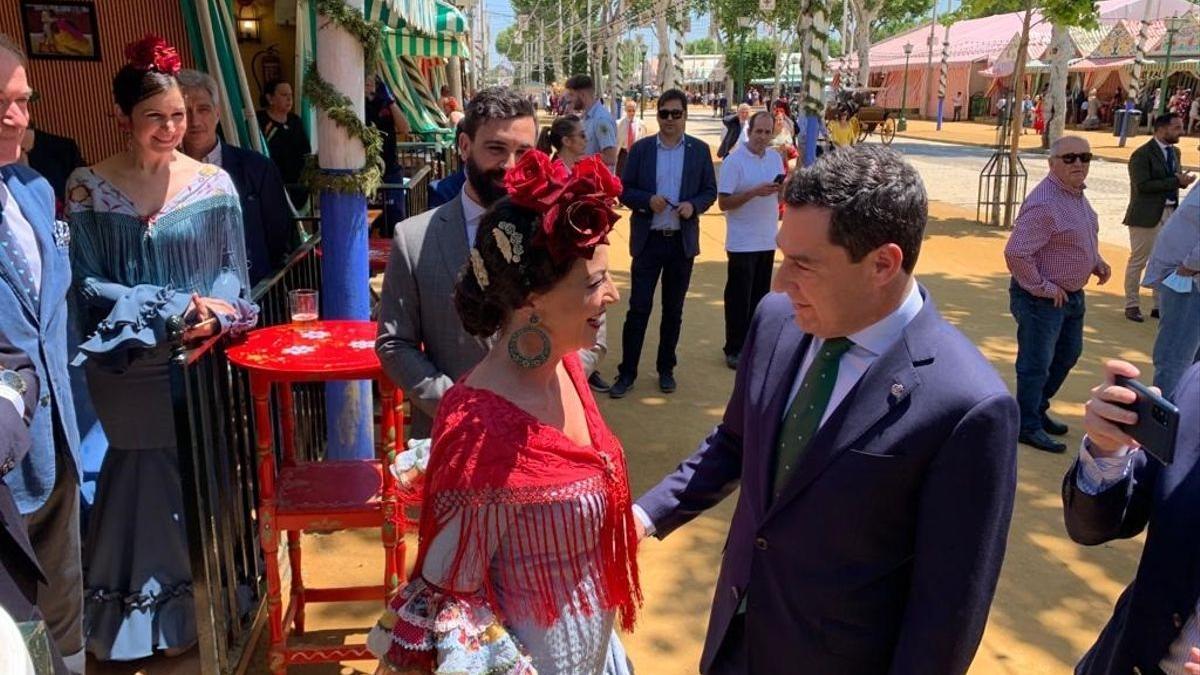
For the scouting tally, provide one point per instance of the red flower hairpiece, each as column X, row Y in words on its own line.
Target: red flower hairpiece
column 153, row 53
column 576, row 207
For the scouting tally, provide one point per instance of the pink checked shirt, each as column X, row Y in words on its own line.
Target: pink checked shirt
column 1054, row 242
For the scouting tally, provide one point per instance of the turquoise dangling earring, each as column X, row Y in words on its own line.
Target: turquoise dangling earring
column 514, row 345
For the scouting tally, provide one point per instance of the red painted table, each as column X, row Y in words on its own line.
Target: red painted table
column 321, row 496
column 379, row 249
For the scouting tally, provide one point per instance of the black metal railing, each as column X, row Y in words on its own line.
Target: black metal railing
column 216, row 445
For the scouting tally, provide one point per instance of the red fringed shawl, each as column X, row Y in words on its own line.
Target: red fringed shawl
column 488, row 452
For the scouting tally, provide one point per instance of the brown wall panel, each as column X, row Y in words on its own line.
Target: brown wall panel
column 76, row 96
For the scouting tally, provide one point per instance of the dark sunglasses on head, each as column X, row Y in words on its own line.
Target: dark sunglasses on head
column 1070, row 157
column 670, row 114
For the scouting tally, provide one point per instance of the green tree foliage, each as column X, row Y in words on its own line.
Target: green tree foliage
column 704, row 45
column 1066, row 12
column 760, row 56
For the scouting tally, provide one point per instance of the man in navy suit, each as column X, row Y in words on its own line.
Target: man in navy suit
column 35, row 274
column 874, row 446
column 1115, row 491
column 669, row 181
column 266, row 216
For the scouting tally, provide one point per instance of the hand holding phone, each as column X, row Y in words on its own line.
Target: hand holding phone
column 780, row 178
column 1157, row 422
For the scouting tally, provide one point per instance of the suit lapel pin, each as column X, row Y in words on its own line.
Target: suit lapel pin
column 897, row 390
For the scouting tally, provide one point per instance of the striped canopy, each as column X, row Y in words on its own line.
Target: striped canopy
column 406, row 43
column 450, row 19
column 417, row 15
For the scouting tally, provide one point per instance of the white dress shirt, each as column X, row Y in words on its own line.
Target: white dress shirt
column 23, row 232
column 1097, row 474
column 472, row 213
column 869, row 344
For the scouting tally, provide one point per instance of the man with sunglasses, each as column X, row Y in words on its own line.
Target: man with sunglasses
column 1052, row 252
column 1155, row 178
column 669, row 181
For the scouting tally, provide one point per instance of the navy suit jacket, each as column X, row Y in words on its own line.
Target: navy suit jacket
column 882, row 553
column 699, row 186
column 40, row 330
column 266, row 216
column 1166, row 500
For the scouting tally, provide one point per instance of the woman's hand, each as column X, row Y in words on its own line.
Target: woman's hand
column 201, row 317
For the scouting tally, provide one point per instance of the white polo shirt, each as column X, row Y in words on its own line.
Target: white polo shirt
column 751, row 227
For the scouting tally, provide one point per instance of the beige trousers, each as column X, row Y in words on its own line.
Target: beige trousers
column 1141, row 243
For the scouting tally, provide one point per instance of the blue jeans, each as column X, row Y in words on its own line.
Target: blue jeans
column 1049, row 342
column 1177, row 346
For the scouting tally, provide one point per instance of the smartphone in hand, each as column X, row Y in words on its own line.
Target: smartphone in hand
column 1157, row 424
column 779, row 179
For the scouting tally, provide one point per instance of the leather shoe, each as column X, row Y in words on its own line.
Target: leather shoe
column 1053, row 426
column 1134, row 314
column 598, row 383
column 1041, row 441
column 731, row 360
column 1154, row 313
column 666, row 383
column 620, row 387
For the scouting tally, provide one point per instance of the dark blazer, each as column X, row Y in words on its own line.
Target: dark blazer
column 733, row 131
column 19, row 569
column 266, row 216
column 699, row 187
column 1149, row 185
column 55, row 157
column 1166, row 501
column 882, row 553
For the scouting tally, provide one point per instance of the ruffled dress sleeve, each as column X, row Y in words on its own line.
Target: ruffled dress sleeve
column 132, row 284
column 449, row 625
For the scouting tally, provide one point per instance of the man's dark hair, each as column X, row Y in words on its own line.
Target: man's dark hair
column 673, row 95
column 581, row 83
column 757, row 116
column 494, row 103
column 874, row 196
column 1164, row 120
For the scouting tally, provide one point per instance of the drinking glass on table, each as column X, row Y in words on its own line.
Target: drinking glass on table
column 303, row 305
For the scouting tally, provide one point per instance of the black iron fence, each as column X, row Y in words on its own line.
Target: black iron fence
column 214, row 425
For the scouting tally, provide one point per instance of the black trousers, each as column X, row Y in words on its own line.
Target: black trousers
column 957, row 112
column 732, row 658
column 748, row 280
column 663, row 256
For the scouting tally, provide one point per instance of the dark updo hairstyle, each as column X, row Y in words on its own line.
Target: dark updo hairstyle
column 552, row 136
column 132, row 85
column 269, row 90
column 484, row 311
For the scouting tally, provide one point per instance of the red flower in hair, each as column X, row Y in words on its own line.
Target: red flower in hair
column 576, row 208
column 153, row 53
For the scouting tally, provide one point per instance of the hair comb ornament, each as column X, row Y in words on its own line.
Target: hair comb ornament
column 509, row 242
column 478, row 268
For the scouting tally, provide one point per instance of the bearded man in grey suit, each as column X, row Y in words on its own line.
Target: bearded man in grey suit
column 421, row 342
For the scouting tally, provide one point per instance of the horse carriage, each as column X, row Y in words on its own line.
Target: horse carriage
column 866, row 118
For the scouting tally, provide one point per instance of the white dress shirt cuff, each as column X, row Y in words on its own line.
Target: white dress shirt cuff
column 18, row 401
column 1097, row 474
column 644, row 519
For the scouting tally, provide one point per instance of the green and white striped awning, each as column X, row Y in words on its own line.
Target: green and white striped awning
column 417, row 15
column 450, row 19
column 405, row 43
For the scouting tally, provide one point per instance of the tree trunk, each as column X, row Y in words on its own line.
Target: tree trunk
column 1060, row 56
column 666, row 66
column 863, row 16
column 1016, row 116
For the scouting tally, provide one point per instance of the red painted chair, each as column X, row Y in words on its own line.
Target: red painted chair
column 319, row 496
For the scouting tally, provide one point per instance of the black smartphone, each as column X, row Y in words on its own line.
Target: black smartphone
column 779, row 178
column 1157, row 423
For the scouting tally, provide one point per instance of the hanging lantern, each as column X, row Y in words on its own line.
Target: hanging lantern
column 249, row 23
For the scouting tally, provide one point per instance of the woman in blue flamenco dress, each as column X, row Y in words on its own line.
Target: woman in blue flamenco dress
column 154, row 234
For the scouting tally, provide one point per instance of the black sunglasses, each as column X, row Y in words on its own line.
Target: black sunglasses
column 1070, row 157
column 670, row 114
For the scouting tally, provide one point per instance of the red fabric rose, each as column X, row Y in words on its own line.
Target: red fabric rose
column 592, row 178
column 534, row 182
column 153, row 53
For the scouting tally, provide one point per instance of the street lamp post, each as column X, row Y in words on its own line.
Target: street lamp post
column 642, row 91
column 744, row 23
column 1172, row 29
column 902, row 124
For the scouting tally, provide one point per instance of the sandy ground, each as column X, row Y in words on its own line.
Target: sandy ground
column 1053, row 596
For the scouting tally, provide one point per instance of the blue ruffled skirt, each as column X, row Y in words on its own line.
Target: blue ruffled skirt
column 137, row 573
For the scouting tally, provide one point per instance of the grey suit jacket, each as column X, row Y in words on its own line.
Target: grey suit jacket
column 421, row 341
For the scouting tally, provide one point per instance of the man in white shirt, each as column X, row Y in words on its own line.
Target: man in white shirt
column 748, row 193
column 629, row 130
column 957, row 101
column 598, row 123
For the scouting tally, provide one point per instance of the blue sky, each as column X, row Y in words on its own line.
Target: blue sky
column 500, row 15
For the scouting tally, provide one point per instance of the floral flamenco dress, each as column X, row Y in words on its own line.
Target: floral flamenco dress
column 131, row 275
column 528, row 549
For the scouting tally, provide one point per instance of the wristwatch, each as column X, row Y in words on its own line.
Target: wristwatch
column 10, row 379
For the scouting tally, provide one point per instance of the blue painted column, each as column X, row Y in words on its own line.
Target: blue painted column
column 1125, row 121
column 941, row 106
column 812, row 128
column 346, row 295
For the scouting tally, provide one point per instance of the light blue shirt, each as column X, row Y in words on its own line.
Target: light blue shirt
column 1178, row 242
column 1097, row 474
column 600, row 129
column 668, row 166
column 869, row 344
